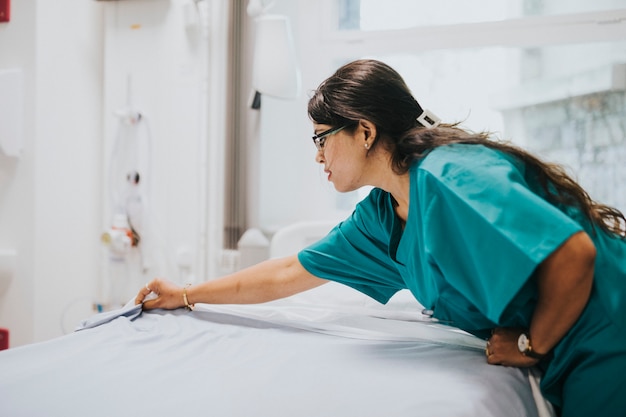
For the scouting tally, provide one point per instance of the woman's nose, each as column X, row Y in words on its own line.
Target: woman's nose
column 319, row 157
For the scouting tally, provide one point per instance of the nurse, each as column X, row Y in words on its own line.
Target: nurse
column 487, row 236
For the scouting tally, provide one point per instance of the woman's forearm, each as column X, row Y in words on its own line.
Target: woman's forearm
column 269, row 280
column 564, row 282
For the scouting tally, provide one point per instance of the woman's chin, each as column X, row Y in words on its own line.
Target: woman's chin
column 343, row 189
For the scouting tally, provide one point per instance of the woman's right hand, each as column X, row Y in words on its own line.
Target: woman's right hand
column 168, row 295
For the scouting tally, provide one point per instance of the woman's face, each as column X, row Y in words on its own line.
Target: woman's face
column 342, row 157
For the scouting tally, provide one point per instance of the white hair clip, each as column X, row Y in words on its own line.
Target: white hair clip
column 428, row 119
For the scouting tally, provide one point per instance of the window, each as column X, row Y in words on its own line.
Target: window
column 373, row 15
column 548, row 74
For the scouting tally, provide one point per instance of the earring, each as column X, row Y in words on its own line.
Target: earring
column 367, row 145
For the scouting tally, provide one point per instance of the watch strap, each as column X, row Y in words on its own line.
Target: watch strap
column 532, row 354
column 529, row 350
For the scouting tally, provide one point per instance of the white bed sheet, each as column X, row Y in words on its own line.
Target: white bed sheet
column 304, row 356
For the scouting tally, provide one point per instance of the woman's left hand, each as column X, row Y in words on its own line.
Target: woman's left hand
column 502, row 349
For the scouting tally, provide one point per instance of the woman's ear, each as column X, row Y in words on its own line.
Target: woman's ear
column 369, row 132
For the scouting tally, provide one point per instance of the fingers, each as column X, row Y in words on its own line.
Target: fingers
column 150, row 304
column 489, row 353
column 495, row 346
column 496, row 353
column 149, row 288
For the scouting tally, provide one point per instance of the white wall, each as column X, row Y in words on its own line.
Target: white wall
column 76, row 57
column 49, row 198
column 148, row 45
column 17, row 50
column 292, row 186
column 172, row 51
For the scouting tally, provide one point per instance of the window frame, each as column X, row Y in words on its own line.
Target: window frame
column 532, row 31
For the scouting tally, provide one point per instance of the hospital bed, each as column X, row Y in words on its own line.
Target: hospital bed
column 328, row 352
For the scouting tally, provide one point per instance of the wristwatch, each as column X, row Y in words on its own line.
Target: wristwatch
column 525, row 348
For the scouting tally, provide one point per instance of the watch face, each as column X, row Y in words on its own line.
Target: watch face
column 523, row 343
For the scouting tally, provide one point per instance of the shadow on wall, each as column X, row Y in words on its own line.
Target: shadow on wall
column 8, row 169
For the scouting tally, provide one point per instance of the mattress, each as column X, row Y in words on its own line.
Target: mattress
column 327, row 352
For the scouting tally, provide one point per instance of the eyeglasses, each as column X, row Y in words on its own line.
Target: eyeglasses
column 320, row 138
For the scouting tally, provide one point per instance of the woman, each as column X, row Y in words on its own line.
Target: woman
column 485, row 235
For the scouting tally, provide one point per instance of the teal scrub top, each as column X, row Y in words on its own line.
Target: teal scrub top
column 475, row 232
column 477, row 228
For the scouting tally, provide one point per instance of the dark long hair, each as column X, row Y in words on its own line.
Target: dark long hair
column 371, row 90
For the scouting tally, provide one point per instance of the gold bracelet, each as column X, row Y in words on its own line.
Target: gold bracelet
column 185, row 300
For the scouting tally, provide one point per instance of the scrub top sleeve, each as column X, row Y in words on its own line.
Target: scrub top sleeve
column 486, row 231
column 355, row 253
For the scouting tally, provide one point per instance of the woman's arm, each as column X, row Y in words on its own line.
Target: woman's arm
column 564, row 282
column 266, row 281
